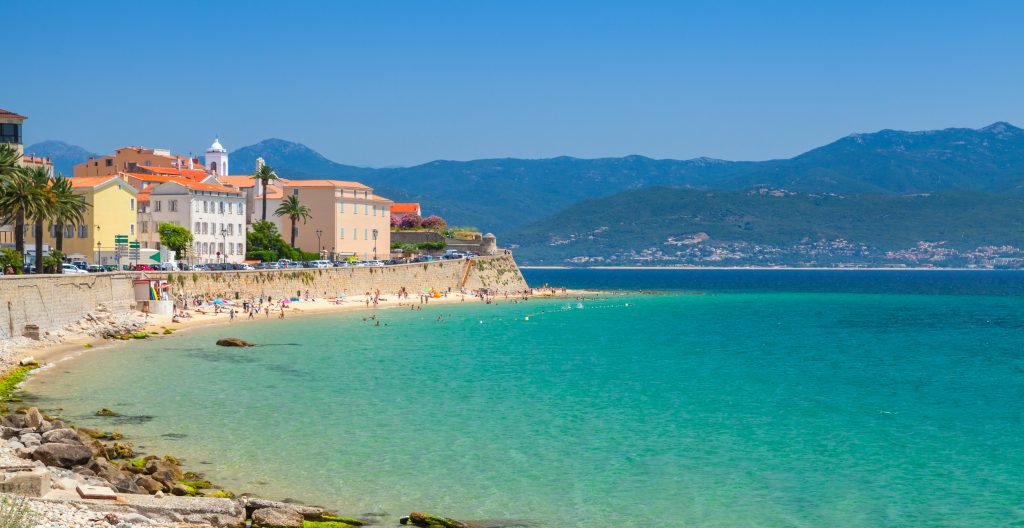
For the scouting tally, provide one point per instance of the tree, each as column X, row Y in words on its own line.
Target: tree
column 265, row 174
column 68, row 208
column 410, row 221
column 38, row 204
column 263, row 242
column 11, row 185
column 176, row 238
column 295, row 211
column 434, row 223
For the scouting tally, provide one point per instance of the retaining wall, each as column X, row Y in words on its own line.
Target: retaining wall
column 52, row 301
column 498, row 273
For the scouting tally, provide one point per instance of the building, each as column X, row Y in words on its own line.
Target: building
column 131, row 159
column 402, row 209
column 217, row 159
column 10, row 134
column 347, row 216
column 213, row 212
column 112, row 212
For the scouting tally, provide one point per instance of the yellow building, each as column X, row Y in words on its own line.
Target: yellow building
column 112, row 212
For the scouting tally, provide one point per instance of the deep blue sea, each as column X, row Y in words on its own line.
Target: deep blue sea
column 720, row 398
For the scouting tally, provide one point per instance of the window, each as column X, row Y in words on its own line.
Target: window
column 366, row 208
column 342, row 234
column 131, row 229
column 83, row 231
column 10, row 133
column 156, row 206
column 231, row 249
column 220, row 248
column 341, row 206
column 365, row 233
column 355, row 234
column 220, row 208
column 206, row 248
column 131, row 205
column 240, row 231
column 295, row 192
column 172, row 205
column 197, row 229
column 148, row 163
column 239, row 209
column 231, row 229
column 206, row 228
column 229, row 208
column 143, row 227
column 241, row 248
column 206, row 206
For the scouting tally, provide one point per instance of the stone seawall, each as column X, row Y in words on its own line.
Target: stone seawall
column 53, row 301
column 498, row 273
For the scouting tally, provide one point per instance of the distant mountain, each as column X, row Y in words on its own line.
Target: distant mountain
column 64, row 156
column 503, row 194
column 669, row 226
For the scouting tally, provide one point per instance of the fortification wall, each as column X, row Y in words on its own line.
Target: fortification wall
column 53, row 301
column 498, row 273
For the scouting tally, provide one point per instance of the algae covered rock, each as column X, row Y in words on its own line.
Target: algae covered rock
column 433, row 521
column 234, row 342
column 277, row 518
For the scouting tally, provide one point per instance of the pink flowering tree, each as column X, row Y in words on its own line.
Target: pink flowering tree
column 433, row 222
column 396, row 221
column 410, row 221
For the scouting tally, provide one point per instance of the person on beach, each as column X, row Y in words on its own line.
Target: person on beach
column 282, row 312
column 252, row 313
column 232, row 314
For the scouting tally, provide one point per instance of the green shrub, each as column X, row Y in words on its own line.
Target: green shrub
column 16, row 513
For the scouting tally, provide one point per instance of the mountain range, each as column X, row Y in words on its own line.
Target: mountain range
column 507, row 195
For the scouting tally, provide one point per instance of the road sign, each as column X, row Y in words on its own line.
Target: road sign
column 120, row 239
column 133, row 245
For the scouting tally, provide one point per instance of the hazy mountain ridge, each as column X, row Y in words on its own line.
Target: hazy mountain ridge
column 64, row 156
column 502, row 194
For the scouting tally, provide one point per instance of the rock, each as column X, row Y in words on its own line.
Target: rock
column 61, row 436
column 31, row 439
column 106, row 412
column 33, row 418
column 127, row 485
column 15, row 421
column 25, row 452
column 63, row 455
column 159, row 494
column 149, row 484
column 234, row 342
column 309, row 512
column 95, row 492
column 163, row 471
column 68, row 484
column 14, row 444
column 182, row 490
column 105, row 470
column 276, row 518
column 433, row 521
column 8, row 432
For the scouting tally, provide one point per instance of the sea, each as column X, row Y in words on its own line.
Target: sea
column 682, row 398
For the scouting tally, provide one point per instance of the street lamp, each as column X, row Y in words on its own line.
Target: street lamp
column 97, row 252
column 374, row 244
column 223, row 250
column 319, row 248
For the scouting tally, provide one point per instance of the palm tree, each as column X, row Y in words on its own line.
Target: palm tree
column 265, row 174
column 294, row 210
column 38, row 205
column 11, row 170
column 68, row 208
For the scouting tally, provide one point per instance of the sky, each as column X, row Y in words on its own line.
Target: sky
column 397, row 83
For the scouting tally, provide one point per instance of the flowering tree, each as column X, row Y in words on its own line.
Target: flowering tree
column 433, row 222
column 410, row 221
column 395, row 221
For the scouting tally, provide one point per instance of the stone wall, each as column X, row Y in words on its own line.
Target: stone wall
column 498, row 273
column 53, row 301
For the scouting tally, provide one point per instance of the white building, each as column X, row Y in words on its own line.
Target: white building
column 214, row 213
column 217, row 159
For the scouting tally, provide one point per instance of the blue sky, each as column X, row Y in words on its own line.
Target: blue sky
column 383, row 83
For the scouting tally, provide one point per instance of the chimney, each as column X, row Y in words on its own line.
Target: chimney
column 190, row 166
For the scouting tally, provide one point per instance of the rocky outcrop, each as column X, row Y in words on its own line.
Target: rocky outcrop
column 62, row 455
column 234, row 342
column 432, row 521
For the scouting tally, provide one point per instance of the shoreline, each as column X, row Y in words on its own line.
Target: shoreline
column 49, row 355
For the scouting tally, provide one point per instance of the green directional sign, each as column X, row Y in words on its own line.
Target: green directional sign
column 155, row 257
column 133, row 245
column 120, row 239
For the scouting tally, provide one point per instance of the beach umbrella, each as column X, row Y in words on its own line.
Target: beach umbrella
column 218, row 301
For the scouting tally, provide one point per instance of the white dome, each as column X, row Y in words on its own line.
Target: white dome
column 216, row 147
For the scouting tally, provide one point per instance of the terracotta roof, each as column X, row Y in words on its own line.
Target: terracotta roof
column 242, row 182
column 194, row 174
column 84, row 182
column 10, row 115
column 273, row 193
column 144, row 194
column 379, row 198
column 405, row 208
column 154, row 177
column 212, row 187
column 325, row 183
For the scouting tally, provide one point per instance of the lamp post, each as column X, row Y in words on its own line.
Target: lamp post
column 319, row 248
column 97, row 252
column 374, row 244
column 224, row 243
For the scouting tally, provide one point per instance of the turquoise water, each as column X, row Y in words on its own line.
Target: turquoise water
column 752, row 408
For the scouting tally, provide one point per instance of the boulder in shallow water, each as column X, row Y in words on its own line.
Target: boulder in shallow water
column 433, row 521
column 33, row 418
column 276, row 518
column 63, row 455
column 308, row 512
column 234, row 342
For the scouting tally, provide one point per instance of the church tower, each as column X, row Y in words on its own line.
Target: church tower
column 217, row 159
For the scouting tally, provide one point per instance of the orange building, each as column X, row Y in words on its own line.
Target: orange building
column 133, row 159
column 348, row 217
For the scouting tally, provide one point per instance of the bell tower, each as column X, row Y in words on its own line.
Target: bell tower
column 217, row 159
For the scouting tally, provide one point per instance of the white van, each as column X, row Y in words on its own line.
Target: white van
column 320, row 264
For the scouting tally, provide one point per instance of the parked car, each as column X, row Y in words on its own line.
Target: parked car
column 246, row 267
column 200, row 267
column 271, row 265
column 375, row 263
column 109, row 267
column 95, row 268
column 184, row 267
column 80, row 264
column 319, row 264
column 71, row 269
